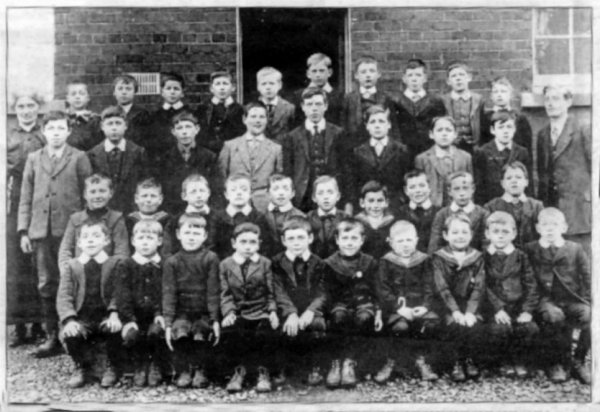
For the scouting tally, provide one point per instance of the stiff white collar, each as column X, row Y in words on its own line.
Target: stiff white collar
column 249, row 137
column 239, row 259
column 410, row 94
column 465, row 95
column 379, row 142
column 126, row 107
column 322, row 213
column 441, row 153
column 228, row 101
column 100, row 258
column 176, row 106
column 501, row 147
column 425, row 205
column 109, row 146
column 507, row 250
column 467, row 209
column 203, row 210
column 508, row 198
column 56, row 152
column 370, row 91
column 273, row 102
column 283, row 209
column 560, row 242
column 326, row 87
column 142, row 260
column 232, row 210
column 305, row 255
column 310, row 126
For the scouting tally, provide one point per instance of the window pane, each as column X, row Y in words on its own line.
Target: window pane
column 582, row 21
column 552, row 21
column 552, row 56
column 583, row 55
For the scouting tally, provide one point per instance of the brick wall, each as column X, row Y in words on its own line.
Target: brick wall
column 95, row 44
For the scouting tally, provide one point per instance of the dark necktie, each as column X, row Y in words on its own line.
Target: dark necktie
column 327, row 224
column 270, row 111
column 244, row 268
column 316, row 131
column 299, row 267
column 238, row 218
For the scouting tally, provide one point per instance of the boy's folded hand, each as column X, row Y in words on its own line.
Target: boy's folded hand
column 169, row 338
column 274, row 320
column 113, row 323
column 216, row 333
column 26, row 244
column 290, row 327
column 458, row 317
column 470, row 319
column 229, row 320
column 502, row 317
column 406, row 313
column 306, row 319
column 378, row 321
column 419, row 311
column 71, row 329
column 160, row 320
column 524, row 317
column 127, row 327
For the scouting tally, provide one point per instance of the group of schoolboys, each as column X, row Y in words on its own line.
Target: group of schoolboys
column 243, row 242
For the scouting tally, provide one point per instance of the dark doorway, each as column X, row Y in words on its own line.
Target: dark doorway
column 284, row 38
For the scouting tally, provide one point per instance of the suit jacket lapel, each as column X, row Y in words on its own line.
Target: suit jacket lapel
column 368, row 154
column 277, row 112
column 127, row 161
column 475, row 100
column 63, row 161
column 564, row 139
column 304, row 141
column 509, row 264
column 328, row 141
column 262, row 151
column 437, row 162
column 288, row 267
column 253, row 269
column 209, row 112
column 422, row 104
column 406, row 103
column 242, row 147
column 388, row 154
column 45, row 161
column 79, row 284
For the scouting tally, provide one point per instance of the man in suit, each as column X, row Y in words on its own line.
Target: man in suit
column 564, row 160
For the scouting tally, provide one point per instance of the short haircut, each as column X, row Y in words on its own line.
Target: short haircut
column 33, row 95
column 414, row 173
column 97, row 178
column 278, row 177
column 220, row 73
column 347, row 224
column 95, row 222
column 195, row 220
column 376, row 109
column 310, row 92
column 149, row 183
column 296, row 222
column 456, row 175
column 458, row 65
column 325, row 179
column 436, row 119
column 184, row 116
column 502, row 80
column 268, row 71
column 77, row 81
column 415, row 64
column 373, row 186
column 236, row 177
column 113, row 111
column 194, row 177
column 402, row 226
column 461, row 217
column 566, row 92
column 173, row 77
column 246, row 227
column 551, row 213
column 126, row 79
column 54, row 115
column 502, row 116
column 148, row 226
column 253, row 105
column 500, row 218
column 317, row 58
column 365, row 60
column 515, row 165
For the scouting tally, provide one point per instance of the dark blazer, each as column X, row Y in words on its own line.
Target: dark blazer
column 281, row 120
column 214, row 136
column 565, row 174
column 525, row 218
column 275, row 229
column 478, row 217
column 474, row 116
column 138, row 291
column 223, row 231
column 375, row 243
column 138, row 119
column 85, row 132
column 335, row 101
column 523, row 134
column 324, row 243
column 158, row 139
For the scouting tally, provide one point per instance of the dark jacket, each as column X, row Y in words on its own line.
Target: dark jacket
column 139, row 290
column 351, row 282
column 525, row 218
column 323, row 244
column 214, row 134
column 523, row 134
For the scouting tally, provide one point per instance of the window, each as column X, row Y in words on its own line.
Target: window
column 149, row 83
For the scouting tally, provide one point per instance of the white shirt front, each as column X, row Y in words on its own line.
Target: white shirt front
column 466, row 95
column 285, row 208
column 228, row 101
column 310, row 126
column 142, row 260
column 240, row 260
column 507, row 250
column 305, row 255
column 191, row 209
column 232, row 210
column 415, row 96
column 109, row 146
column 467, row 209
column 100, row 258
column 560, row 242
column 511, row 199
column 176, row 106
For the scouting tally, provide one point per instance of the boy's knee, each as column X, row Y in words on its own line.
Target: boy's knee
column 497, row 330
column 155, row 331
column 340, row 318
column 526, row 330
column 363, row 319
column 399, row 327
column 552, row 313
column 131, row 337
column 201, row 330
column 181, row 329
column 318, row 324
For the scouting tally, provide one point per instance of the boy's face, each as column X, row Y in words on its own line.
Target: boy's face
column 367, row 74
column 415, row 79
column 461, row 190
column 97, row 195
column 269, row 86
column 148, row 199
column 551, row 228
column 458, row 235
column 350, row 241
column 185, row 132
column 172, row 92
column 374, row 203
column 296, row 241
column 319, row 74
column 146, row 243
column 514, row 182
column 501, row 95
column 378, row 125
column 196, row 194
column 314, row 108
column 500, row 235
column 326, row 195
column 191, row 236
column 77, row 96
column 281, row 192
column 238, row 193
column 458, row 79
column 27, row 110
column 256, row 120
column 114, row 128
column 56, row 133
column 92, row 240
column 443, row 133
column 404, row 243
column 124, row 93
column 222, row 88
column 555, row 103
column 417, row 189
column 246, row 244
column 504, row 131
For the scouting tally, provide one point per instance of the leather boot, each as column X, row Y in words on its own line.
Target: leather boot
column 51, row 347
column 77, row 379
column 19, row 336
column 458, row 373
column 582, row 372
column 184, row 380
column 237, row 380
column 139, row 376
column 425, row 370
column 263, row 383
column 470, row 369
column 314, row 377
column 348, row 374
column 37, row 333
column 557, row 373
column 385, row 373
column 154, row 375
column 109, row 377
column 334, row 377
column 200, row 380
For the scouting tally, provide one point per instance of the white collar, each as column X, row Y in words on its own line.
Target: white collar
column 467, row 209
column 232, row 210
column 466, row 95
column 101, row 257
column 425, row 205
column 29, row 128
column 498, row 108
column 228, row 101
column 239, row 259
column 326, row 87
column 126, row 108
column 310, row 126
column 191, row 209
column 178, row 105
column 409, row 93
column 367, row 90
column 507, row 250
column 273, row 102
column 109, row 146
column 558, row 124
column 56, row 152
column 501, row 147
column 142, row 260
column 379, row 142
column 508, row 198
column 305, row 255
column 249, row 137
column 441, row 153
column 322, row 213
column 545, row 244
column 283, row 209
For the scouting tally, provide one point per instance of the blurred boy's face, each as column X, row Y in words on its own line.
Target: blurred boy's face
column 256, row 120
column 555, row 103
column 56, row 133
column 415, row 79
column 246, row 244
column 281, row 192
column 514, row 182
column 124, row 93
column 501, row 95
column 97, row 195
column 500, row 235
column 404, row 242
column 269, row 86
column 458, row 79
column 350, row 241
column 92, row 240
column 378, row 125
column 172, row 92
column 77, row 96
column 417, row 189
column 27, row 110
column 443, row 133
column 314, row 108
column 367, row 74
column 374, row 203
column 222, row 88
column 319, row 74
column 551, row 228
column 196, row 194
column 326, row 195
column 185, row 132
column 148, row 199
column 504, row 131
column 238, row 193
column 461, row 191
column 146, row 243
column 458, row 235
column 296, row 241
column 191, row 236
column 114, row 128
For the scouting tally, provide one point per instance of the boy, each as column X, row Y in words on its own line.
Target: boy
column 53, row 181
column 442, row 159
column 86, row 305
column 247, row 302
column 375, row 217
column 419, row 211
column 190, row 302
column 459, row 288
column 139, row 302
column 464, row 106
column 148, row 199
column 357, row 102
column 416, row 108
column 221, row 117
column 489, row 159
column 311, row 149
column 186, row 158
column 85, row 124
column 325, row 218
column 125, row 88
column 562, row 271
column 381, row 158
column 512, row 295
column 280, row 112
column 406, row 279
column 522, row 208
column 501, row 95
column 253, row 154
column 123, row 161
column 461, row 190
column 350, row 281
